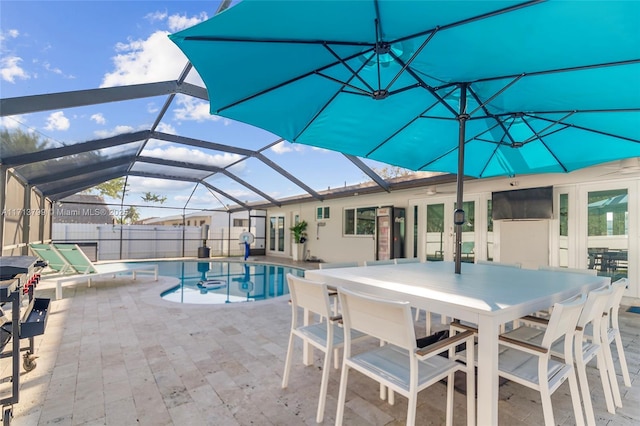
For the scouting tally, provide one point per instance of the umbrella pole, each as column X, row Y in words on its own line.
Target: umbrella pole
column 462, row 119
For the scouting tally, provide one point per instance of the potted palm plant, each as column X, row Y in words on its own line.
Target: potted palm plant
column 299, row 232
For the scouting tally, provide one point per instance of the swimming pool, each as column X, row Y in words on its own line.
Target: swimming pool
column 224, row 282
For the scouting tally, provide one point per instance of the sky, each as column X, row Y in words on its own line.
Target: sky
column 59, row 46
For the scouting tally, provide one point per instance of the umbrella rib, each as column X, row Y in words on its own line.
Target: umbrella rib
column 586, row 129
column 560, row 163
column 408, row 63
column 484, row 108
column 561, row 70
column 323, row 108
column 476, row 137
column 486, row 164
column 347, row 66
column 553, row 123
column 275, row 40
column 579, row 111
column 495, row 95
column 421, row 115
column 344, row 83
column 438, row 101
column 284, row 83
column 427, row 87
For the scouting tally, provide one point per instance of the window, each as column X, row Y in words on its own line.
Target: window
column 563, row 237
column 322, row 213
column 241, row 223
column 608, row 232
column 360, row 221
column 276, row 233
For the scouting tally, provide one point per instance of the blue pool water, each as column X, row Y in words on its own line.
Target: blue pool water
column 224, row 282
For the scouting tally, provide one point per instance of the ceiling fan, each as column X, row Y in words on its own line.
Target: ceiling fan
column 434, row 190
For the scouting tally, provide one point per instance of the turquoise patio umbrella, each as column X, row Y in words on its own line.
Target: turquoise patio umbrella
column 477, row 88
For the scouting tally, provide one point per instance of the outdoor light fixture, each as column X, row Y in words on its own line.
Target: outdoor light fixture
column 458, row 216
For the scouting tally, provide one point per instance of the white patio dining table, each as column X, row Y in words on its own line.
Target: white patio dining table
column 486, row 295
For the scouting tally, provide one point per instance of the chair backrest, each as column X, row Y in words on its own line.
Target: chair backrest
column 407, row 260
column 308, row 294
column 76, row 257
column 334, row 265
column 47, row 253
column 612, row 306
column 467, row 247
column 563, row 321
column 492, row 263
column 379, row 262
column 594, row 306
column 388, row 320
column 569, row 270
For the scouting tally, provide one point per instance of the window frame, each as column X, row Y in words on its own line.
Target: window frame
column 355, row 211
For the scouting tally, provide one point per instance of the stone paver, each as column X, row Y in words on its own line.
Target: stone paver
column 117, row 354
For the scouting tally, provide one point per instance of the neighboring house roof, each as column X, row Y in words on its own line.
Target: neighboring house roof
column 83, row 208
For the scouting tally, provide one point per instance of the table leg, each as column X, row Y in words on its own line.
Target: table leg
column 488, row 380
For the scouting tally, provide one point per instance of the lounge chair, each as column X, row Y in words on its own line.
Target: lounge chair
column 55, row 261
column 75, row 257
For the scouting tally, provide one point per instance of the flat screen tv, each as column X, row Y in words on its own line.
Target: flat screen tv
column 519, row 204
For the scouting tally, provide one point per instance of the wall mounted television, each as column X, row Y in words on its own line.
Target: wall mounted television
column 520, row 204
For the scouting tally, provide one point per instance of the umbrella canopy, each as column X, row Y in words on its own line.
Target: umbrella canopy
column 482, row 88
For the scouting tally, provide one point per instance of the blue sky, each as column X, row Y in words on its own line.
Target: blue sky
column 58, row 46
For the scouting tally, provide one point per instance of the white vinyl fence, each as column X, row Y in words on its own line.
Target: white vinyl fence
column 114, row 242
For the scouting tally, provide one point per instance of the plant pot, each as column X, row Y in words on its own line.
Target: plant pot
column 296, row 251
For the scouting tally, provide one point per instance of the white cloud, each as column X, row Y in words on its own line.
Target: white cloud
column 167, row 128
column 192, row 155
column 143, row 61
column 192, row 109
column 98, row 118
column 156, row 16
column 57, row 121
column 180, row 22
column 153, row 59
column 12, row 121
column 161, row 186
column 47, row 66
column 152, row 108
column 118, row 130
column 284, row 147
column 12, row 33
column 10, row 69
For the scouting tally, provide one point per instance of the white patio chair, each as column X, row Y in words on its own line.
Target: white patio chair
column 399, row 364
column 570, row 270
column 531, row 365
column 379, row 262
column 544, row 313
column 401, row 260
column 584, row 350
column 610, row 332
column 505, row 264
column 326, row 335
column 333, row 265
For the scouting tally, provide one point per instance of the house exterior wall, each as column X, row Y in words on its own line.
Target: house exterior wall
column 327, row 242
